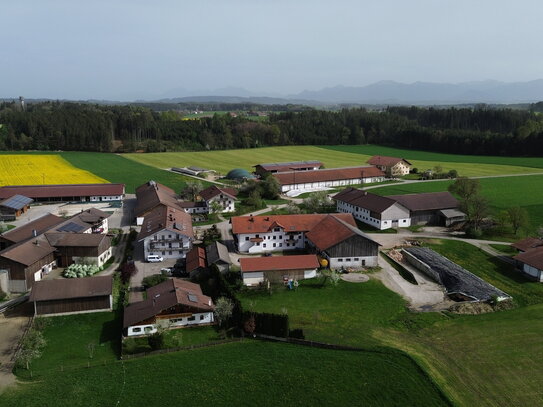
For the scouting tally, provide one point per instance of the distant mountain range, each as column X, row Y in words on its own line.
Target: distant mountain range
column 379, row 93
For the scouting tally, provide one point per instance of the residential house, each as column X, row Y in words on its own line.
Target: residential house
column 377, row 211
column 167, row 232
column 391, row 166
column 66, row 193
column 72, row 296
column 272, row 168
column 344, row 245
column 277, row 269
column 172, row 304
column 151, row 195
column 328, row 178
column 13, row 207
column 224, row 197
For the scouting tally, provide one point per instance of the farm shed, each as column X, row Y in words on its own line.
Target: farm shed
column 527, row 244
column 72, row 295
column 13, row 207
column 276, row 269
column 66, row 193
column 451, row 216
column 333, row 177
column 172, row 304
column 530, row 262
column 425, row 208
column 459, row 284
column 272, row 168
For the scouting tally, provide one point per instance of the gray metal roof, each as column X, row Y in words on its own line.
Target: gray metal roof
column 452, row 213
column 454, row 278
column 16, row 202
column 217, row 252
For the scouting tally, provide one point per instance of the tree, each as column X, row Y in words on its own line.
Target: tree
column 318, row 202
column 453, row 174
column 270, row 187
column 216, row 207
column 465, row 188
column 212, row 234
column 192, row 189
column 518, row 218
column 156, row 340
column 255, row 200
column 223, row 309
column 476, row 210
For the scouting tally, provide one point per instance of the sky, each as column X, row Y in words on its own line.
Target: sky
column 140, row 49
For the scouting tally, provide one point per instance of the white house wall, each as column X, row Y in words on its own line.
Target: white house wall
column 352, row 262
column 533, row 272
column 163, row 240
column 252, row 279
column 194, row 319
column 388, row 217
column 269, row 240
column 333, row 183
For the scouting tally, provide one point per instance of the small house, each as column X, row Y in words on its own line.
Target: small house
column 391, row 166
column 13, row 207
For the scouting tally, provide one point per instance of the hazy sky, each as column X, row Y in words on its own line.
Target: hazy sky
column 124, row 49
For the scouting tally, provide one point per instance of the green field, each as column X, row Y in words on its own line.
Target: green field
column 502, row 193
column 339, row 156
column 251, row 373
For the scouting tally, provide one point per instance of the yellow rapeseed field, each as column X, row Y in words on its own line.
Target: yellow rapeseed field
column 27, row 169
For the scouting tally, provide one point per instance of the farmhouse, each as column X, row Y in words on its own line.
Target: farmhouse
column 327, row 178
column 12, row 208
column 530, row 260
column 72, row 296
column 276, row 269
column 166, row 231
column 151, row 195
column 426, row 208
column 343, row 244
column 459, row 284
column 391, row 166
column 66, row 193
column 172, row 304
column 32, row 251
column 377, row 211
column 224, row 197
column 272, row 168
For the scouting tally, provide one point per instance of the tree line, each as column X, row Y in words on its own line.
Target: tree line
column 127, row 128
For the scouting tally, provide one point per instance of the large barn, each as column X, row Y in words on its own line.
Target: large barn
column 72, row 296
column 66, row 193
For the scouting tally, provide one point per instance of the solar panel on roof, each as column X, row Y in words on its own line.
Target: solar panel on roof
column 17, row 202
column 193, row 298
column 71, row 227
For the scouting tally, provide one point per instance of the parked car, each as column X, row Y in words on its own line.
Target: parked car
column 167, row 271
column 154, row 258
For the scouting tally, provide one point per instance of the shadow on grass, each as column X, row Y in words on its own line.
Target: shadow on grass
column 111, row 332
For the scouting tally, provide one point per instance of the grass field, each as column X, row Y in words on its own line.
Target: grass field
column 339, row 156
column 251, row 373
column 502, row 193
column 29, row 169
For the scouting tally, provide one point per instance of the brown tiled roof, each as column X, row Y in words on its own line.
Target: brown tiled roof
column 426, row 201
column 40, row 225
column 165, row 217
column 76, row 239
column 166, row 295
column 214, row 190
column 28, row 252
column 364, row 199
column 152, row 194
column 533, row 257
column 190, row 204
column 332, row 231
column 280, row 167
column 92, row 215
column 278, row 263
column 290, row 223
column 62, row 191
column 196, row 258
column 528, row 244
column 386, row 161
column 332, row 174
column 65, row 288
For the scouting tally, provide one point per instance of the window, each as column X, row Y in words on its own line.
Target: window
column 340, row 260
column 347, row 259
column 276, row 230
column 275, row 244
column 258, row 243
column 280, row 244
column 169, row 236
column 257, row 236
column 202, row 317
column 246, row 238
column 356, row 259
column 275, row 237
column 164, row 253
column 264, row 245
column 136, row 329
column 170, row 252
column 192, row 318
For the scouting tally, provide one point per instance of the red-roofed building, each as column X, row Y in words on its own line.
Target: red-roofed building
column 225, row 197
column 327, row 178
column 196, row 260
column 530, row 263
column 276, row 269
column 391, row 166
column 68, row 192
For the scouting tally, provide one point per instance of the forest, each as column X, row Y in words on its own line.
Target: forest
column 71, row 126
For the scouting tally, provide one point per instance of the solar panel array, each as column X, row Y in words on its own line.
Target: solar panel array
column 17, row 202
column 71, row 227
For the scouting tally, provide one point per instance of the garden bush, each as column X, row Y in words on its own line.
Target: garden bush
column 81, row 270
column 153, row 280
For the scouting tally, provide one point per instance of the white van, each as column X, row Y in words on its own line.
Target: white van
column 154, row 258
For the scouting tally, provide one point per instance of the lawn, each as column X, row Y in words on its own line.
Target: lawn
column 251, row 373
column 31, row 169
column 502, row 193
column 345, row 314
column 339, row 156
column 505, row 249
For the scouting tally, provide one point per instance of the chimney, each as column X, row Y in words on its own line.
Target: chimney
column 251, row 218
